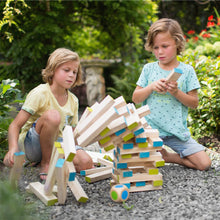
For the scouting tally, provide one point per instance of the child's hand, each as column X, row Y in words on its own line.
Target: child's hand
column 160, row 86
column 172, row 87
column 9, row 158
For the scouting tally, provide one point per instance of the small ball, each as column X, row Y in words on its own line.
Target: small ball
column 119, row 193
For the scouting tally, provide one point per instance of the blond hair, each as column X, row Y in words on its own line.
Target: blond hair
column 166, row 25
column 58, row 57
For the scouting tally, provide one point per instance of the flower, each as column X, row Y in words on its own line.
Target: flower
column 218, row 21
column 210, row 18
column 206, row 35
column 195, row 38
column 210, row 24
column 191, row 32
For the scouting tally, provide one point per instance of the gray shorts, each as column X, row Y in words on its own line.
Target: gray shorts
column 32, row 145
column 183, row 148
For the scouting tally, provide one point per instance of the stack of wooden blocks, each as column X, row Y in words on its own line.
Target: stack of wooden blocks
column 120, row 126
column 123, row 132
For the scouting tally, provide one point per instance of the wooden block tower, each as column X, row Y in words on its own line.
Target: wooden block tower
column 123, row 128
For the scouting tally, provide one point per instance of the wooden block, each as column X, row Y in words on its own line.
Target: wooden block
column 124, row 111
column 106, row 103
column 96, row 155
column 153, row 157
column 144, row 122
column 98, row 176
column 50, row 181
column 143, row 111
column 147, row 187
column 132, row 121
column 135, row 150
column 155, row 141
column 68, row 143
column 138, row 177
column 61, row 178
column 78, row 191
column 91, row 133
column 38, row 189
column 16, row 170
column 105, row 162
column 85, row 114
column 119, row 102
column 153, row 133
column 174, row 75
column 94, row 170
column 71, row 170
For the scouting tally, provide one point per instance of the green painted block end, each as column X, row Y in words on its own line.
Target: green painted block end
column 158, row 183
column 88, row 179
column 83, row 199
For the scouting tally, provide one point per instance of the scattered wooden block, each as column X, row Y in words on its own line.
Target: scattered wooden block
column 50, row 181
column 16, row 170
column 38, row 189
column 61, row 177
column 78, row 191
column 94, row 170
column 98, row 176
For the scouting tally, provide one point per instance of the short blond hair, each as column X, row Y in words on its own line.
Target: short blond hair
column 166, row 25
column 58, row 57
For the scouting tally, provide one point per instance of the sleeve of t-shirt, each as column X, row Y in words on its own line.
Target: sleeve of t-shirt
column 192, row 80
column 34, row 101
column 143, row 79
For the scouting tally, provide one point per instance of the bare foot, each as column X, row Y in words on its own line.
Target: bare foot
column 164, row 154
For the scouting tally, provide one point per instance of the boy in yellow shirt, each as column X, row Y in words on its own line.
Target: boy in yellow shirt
column 47, row 109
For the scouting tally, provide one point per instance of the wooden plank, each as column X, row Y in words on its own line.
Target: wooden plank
column 68, row 143
column 99, row 125
column 105, row 162
column 94, row 170
column 153, row 157
column 138, row 177
column 104, row 105
column 38, row 189
column 71, row 170
column 78, row 191
column 98, row 176
column 155, row 141
column 16, row 170
column 174, row 75
column 119, row 102
column 61, row 178
column 143, row 111
column 50, row 181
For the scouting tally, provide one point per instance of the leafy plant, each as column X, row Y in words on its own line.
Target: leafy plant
column 205, row 120
column 14, row 207
column 9, row 96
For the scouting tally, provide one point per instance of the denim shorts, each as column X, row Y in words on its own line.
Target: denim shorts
column 32, row 145
column 183, row 148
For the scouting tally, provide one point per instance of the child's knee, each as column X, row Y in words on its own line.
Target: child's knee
column 53, row 117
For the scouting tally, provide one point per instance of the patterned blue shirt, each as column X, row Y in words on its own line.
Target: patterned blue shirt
column 168, row 115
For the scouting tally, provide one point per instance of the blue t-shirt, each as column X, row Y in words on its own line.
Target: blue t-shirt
column 168, row 115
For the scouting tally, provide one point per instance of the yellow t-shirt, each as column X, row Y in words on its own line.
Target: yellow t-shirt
column 41, row 99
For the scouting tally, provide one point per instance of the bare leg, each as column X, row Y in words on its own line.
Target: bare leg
column 199, row 160
column 47, row 127
column 82, row 161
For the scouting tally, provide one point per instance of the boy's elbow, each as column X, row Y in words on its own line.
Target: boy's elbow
column 135, row 99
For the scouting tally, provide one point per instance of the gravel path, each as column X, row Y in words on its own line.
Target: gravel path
column 186, row 194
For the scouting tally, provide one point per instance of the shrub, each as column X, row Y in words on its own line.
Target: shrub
column 205, row 120
column 9, row 96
